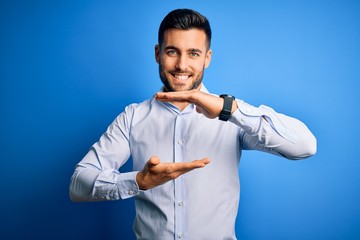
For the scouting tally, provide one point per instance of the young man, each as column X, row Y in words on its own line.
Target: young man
column 182, row 129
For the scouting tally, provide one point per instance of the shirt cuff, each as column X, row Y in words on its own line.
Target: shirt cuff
column 127, row 185
column 247, row 117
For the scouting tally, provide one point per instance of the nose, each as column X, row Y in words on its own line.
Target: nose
column 182, row 63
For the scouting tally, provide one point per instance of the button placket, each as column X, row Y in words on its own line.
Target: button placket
column 178, row 182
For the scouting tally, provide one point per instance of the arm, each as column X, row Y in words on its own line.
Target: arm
column 269, row 131
column 97, row 178
column 263, row 128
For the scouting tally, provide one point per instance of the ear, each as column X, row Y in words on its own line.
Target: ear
column 157, row 53
column 208, row 58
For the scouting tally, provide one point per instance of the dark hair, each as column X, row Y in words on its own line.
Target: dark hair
column 184, row 19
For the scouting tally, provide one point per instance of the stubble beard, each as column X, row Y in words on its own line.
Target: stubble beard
column 169, row 88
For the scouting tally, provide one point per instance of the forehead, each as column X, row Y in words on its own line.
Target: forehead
column 185, row 39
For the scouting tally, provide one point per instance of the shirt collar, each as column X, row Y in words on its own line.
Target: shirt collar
column 189, row 108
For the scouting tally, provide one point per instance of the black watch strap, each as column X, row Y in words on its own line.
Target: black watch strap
column 225, row 113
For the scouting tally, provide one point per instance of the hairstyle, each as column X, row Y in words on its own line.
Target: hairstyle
column 185, row 19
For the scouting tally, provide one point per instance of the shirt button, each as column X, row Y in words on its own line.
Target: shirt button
column 180, row 204
column 180, row 235
column 130, row 192
column 180, row 142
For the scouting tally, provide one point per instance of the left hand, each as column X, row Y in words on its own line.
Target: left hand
column 205, row 103
column 156, row 173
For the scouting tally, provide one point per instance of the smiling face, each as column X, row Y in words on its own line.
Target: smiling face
column 182, row 58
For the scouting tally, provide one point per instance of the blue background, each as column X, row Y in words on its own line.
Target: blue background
column 68, row 68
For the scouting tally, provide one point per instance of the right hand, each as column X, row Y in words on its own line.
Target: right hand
column 156, row 173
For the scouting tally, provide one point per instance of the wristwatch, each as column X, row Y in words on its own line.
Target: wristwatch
column 225, row 113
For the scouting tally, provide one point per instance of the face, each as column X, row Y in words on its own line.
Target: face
column 182, row 58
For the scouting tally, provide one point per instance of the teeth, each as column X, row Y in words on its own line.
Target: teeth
column 181, row 77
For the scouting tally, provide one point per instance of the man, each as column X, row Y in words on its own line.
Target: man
column 185, row 144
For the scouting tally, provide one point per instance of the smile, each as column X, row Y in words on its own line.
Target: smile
column 181, row 77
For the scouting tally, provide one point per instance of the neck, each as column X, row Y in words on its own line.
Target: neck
column 181, row 105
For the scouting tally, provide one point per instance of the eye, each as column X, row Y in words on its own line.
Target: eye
column 194, row 54
column 171, row 52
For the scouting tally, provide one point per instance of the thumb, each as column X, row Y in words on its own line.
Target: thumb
column 199, row 110
column 203, row 111
column 153, row 161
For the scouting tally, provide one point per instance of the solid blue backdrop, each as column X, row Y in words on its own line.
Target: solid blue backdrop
column 68, row 68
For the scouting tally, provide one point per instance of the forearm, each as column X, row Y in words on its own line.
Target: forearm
column 91, row 184
column 97, row 176
column 268, row 131
column 82, row 183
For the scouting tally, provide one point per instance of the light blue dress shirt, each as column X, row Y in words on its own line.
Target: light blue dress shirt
column 203, row 203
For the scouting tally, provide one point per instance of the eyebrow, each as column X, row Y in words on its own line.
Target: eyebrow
column 195, row 50
column 171, row 47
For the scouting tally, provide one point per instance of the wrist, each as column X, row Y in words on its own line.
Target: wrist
column 139, row 181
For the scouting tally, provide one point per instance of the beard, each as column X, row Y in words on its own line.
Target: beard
column 171, row 88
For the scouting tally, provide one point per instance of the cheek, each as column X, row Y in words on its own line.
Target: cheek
column 167, row 63
column 199, row 66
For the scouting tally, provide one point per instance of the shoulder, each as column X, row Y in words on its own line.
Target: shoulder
column 138, row 107
column 135, row 109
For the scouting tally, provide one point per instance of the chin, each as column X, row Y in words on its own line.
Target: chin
column 180, row 88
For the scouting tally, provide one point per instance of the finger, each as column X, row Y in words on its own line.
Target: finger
column 201, row 163
column 188, row 166
column 173, row 96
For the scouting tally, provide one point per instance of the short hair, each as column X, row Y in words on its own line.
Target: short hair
column 185, row 19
